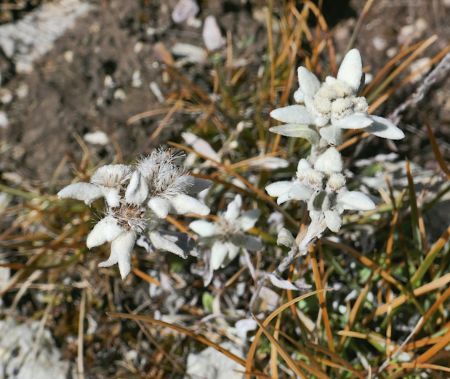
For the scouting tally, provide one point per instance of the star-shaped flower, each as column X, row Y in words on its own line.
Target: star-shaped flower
column 227, row 235
column 332, row 106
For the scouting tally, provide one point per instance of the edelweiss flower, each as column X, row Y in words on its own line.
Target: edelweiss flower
column 331, row 106
column 127, row 191
column 322, row 187
column 227, row 234
column 170, row 186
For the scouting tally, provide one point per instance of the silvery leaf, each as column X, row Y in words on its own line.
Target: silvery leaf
column 292, row 114
column 233, row 209
column 333, row 220
column 354, row 121
column 297, row 131
column 281, row 283
column 86, row 192
column 218, row 254
column 350, row 70
column 355, row 200
column 165, row 243
column 186, row 204
column 203, row 228
column 300, row 192
column 384, row 128
column 269, row 163
column 309, row 84
column 201, row 146
column 279, row 188
column 248, row 219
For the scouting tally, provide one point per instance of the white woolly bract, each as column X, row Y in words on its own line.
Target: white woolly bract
column 355, row 200
column 350, row 70
column 384, row 128
column 137, row 189
column 81, row 191
column 218, row 254
column 292, row 114
column 104, row 231
column 203, row 228
column 121, row 248
column 309, row 84
column 165, row 243
column 183, row 204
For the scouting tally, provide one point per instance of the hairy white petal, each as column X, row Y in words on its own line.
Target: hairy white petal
column 137, row 190
column 248, row 219
column 309, row 84
column 279, row 188
column 186, row 204
column 159, row 206
column 332, row 134
column 111, row 175
column 298, row 131
column 329, row 161
column 350, row 70
column 121, row 247
column 111, row 195
column 233, row 250
column 218, row 254
column 162, row 243
column 86, row 192
column 203, row 228
column 300, row 192
column 384, row 128
column 355, row 200
column 201, row 146
column 105, row 230
column 292, row 114
column 333, row 220
column 233, row 209
column 354, row 121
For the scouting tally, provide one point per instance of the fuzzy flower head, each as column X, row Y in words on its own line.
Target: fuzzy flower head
column 331, row 106
column 227, row 235
column 134, row 197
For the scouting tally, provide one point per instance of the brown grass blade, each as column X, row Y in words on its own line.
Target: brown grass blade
column 437, row 152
